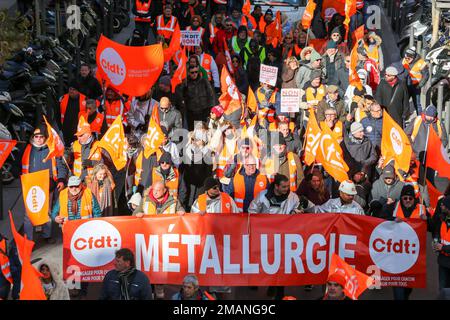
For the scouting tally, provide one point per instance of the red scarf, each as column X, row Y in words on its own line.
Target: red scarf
column 393, row 82
column 158, row 203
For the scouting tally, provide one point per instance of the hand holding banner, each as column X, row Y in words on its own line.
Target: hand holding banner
column 35, row 191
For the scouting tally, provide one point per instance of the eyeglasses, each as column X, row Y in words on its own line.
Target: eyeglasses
column 164, row 162
column 193, row 72
column 347, row 61
column 335, row 35
column 407, row 198
column 228, row 25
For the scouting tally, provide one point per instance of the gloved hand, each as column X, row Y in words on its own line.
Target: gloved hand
column 87, row 163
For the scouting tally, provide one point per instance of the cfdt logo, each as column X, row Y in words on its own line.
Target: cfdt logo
column 394, row 247
column 113, row 65
column 35, row 199
column 95, row 243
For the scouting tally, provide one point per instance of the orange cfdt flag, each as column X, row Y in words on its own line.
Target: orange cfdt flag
column 114, row 142
column 308, row 14
column 54, row 142
column 175, row 44
column 251, row 100
column 35, row 191
column 353, row 281
column 330, row 155
column 130, row 70
column 231, row 98
column 153, row 139
column 312, row 138
column 6, row 147
column 437, row 156
column 353, row 78
column 179, row 74
column 395, row 144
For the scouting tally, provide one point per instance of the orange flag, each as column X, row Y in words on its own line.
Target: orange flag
column 333, row 6
column 228, row 56
column 312, row 139
column 251, row 100
column 358, row 34
column 35, row 191
column 246, row 8
column 395, row 144
column 330, row 155
column 353, row 78
column 154, row 138
column 179, row 74
column 115, row 144
column 31, row 287
column 175, row 43
column 230, row 99
column 130, row 70
column 350, row 10
column 54, row 142
column 6, row 147
column 437, row 156
column 353, row 281
column 308, row 14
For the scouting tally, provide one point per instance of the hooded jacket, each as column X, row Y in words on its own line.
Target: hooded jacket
column 381, row 191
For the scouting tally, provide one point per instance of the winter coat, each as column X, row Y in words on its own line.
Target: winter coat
column 303, row 75
column 324, row 104
column 159, row 210
column 293, row 143
column 242, row 80
column 381, row 191
column 332, row 67
column 373, row 129
column 195, row 96
column 335, row 206
column 288, row 76
column 59, row 290
column 139, row 287
column 140, row 114
column 171, row 119
column 261, row 204
column 395, row 99
column 90, row 87
column 359, row 155
column 342, row 80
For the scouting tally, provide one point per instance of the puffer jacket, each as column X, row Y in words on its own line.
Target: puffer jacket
column 59, row 290
column 139, row 287
column 195, row 96
column 360, row 155
column 373, row 128
column 261, row 204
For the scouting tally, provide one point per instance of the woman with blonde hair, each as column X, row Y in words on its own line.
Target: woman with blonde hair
column 290, row 69
column 102, row 186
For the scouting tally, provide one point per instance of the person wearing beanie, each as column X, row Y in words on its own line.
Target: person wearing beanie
column 419, row 128
column 314, row 90
column 418, row 75
column 240, row 40
column 283, row 162
column 336, row 37
column 32, row 161
column 387, row 189
column 304, row 73
column 370, row 66
column 137, row 39
column 216, row 119
column 213, row 200
column 333, row 60
column 441, row 236
column 163, row 89
column 392, row 93
column 71, row 105
column 372, row 45
column 359, row 152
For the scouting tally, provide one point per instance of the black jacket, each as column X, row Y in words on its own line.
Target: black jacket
column 195, row 96
column 437, row 221
column 90, row 87
column 359, row 156
column 395, row 99
column 139, row 287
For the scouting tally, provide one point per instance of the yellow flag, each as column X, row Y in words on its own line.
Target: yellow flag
column 154, row 138
column 35, row 191
column 115, row 144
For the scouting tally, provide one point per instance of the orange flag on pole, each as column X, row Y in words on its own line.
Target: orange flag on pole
column 246, row 8
column 350, row 10
column 114, row 142
column 54, row 143
column 251, row 100
column 395, row 144
column 154, row 138
column 231, row 98
column 31, row 287
column 353, row 78
column 308, row 14
column 130, row 70
column 330, row 155
column 437, row 156
column 35, row 191
column 312, row 139
column 228, row 56
column 358, row 34
column 179, row 74
column 175, row 43
column 353, row 281
column 6, row 147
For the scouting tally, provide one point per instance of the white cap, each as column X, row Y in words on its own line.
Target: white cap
column 348, row 187
column 135, row 199
column 74, row 181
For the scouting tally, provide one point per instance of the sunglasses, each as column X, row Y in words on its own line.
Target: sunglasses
column 193, row 72
column 407, row 198
column 215, row 188
column 39, row 136
column 229, row 25
column 74, row 187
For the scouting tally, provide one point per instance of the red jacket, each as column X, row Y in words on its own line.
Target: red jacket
column 220, row 36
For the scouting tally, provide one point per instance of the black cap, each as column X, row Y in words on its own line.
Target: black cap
column 209, row 183
column 166, row 157
column 74, row 84
column 408, row 190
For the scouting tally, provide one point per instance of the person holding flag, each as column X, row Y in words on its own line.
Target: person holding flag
column 35, row 159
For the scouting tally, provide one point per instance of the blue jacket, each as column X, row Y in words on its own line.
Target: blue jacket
column 249, row 188
column 139, row 287
column 373, row 128
column 38, row 154
column 96, row 211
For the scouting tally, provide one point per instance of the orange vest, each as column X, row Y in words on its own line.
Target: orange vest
column 373, row 54
column 205, row 62
column 418, row 121
column 415, row 70
column 166, row 30
column 225, row 201
column 224, row 158
column 337, row 131
column 270, row 171
column 239, row 188
column 418, row 212
column 212, row 32
column 315, row 95
column 445, row 237
column 65, row 100
column 201, row 29
column 172, row 185
column 86, row 204
column 94, row 154
column 142, row 8
column 296, row 50
column 150, row 208
column 112, row 110
column 26, row 163
column 266, row 113
column 4, row 262
column 262, row 24
column 96, row 125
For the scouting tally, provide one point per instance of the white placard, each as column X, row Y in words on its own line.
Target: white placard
column 190, row 38
column 290, row 100
column 268, row 75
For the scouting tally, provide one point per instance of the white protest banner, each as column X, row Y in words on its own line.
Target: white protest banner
column 290, row 100
column 268, row 75
column 190, row 38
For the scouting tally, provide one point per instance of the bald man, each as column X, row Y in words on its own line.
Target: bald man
column 169, row 117
column 157, row 200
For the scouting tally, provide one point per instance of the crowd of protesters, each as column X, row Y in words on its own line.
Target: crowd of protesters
column 215, row 167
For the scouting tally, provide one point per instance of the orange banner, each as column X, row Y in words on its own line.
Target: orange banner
column 35, row 191
column 154, row 138
column 437, row 156
column 5, row 149
column 130, row 70
column 249, row 250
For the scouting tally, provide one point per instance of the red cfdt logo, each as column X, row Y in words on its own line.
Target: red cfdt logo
column 111, row 67
column 91, row 242
column 401, row 246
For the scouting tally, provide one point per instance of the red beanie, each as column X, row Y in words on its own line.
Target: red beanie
column 217, row 110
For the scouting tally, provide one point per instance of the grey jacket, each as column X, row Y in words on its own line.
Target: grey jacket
column 335, row 206
column 304, row 74
column 381, row 191
column 262, row 205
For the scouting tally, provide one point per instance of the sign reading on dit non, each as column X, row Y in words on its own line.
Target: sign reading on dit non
column 190, row 38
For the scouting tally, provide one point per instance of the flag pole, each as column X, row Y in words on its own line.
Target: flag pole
column 425, row 157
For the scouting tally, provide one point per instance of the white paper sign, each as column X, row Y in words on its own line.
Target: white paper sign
column 190, row 38
column 290, row 100
column 268, row 75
